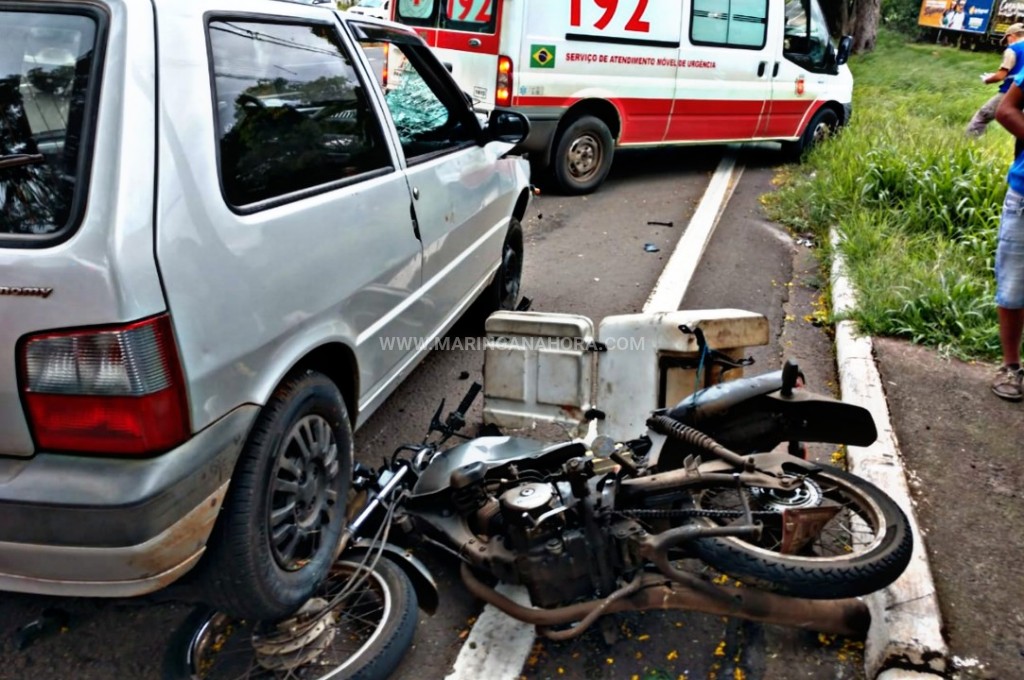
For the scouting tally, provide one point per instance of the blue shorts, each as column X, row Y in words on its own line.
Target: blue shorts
column 1010, row 253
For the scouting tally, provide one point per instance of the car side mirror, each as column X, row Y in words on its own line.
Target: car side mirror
column 508, row 126
column 843, row 53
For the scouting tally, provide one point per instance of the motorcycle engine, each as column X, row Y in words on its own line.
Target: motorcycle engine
column 551, row 552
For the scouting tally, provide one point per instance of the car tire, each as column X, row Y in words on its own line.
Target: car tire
column 279, row 528
column 502, row 294
column 823, row 125
column 583, row 156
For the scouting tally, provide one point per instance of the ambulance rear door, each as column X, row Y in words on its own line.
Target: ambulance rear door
column 724, row 74
column 466, row 37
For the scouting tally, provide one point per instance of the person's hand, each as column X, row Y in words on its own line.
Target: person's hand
column 985, row 77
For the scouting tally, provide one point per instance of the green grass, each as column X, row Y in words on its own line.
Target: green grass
column 916, row 204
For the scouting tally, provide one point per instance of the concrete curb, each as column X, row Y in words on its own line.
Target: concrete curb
column 905, row 639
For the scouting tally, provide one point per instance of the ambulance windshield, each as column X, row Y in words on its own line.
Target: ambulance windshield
column 473, row 16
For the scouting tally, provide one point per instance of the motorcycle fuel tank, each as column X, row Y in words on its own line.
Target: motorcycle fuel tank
column 494, row 452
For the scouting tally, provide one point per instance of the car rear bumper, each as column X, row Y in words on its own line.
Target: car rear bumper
column 105, row 527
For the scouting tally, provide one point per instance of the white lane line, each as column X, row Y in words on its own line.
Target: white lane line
column 498, row 645
column 671, row 287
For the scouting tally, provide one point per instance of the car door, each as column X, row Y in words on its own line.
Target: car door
column 458, row 189
column 283, row 214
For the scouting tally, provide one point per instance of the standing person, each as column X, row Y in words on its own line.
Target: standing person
column 1012, row 64
column 1009, row 267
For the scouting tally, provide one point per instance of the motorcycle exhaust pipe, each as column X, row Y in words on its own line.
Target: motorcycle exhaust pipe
column 652, row 592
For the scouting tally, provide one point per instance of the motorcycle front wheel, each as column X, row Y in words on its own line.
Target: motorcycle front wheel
column 369, row 630
column 862, row 548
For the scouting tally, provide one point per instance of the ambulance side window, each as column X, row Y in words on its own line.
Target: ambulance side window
column 729, row 23
column 418, row 12
column 471, row 16
column 474, row 16
column 807, row 41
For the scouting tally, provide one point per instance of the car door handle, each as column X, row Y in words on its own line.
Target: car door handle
column 775, row 71
column 761, row 67
column 415, row 222
column 416, row 193
column 475, row 42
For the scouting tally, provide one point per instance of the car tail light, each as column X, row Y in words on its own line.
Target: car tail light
column 503, row 91
column 384, row 73
column 107, row 391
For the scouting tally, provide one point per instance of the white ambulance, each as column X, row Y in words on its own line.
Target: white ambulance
column 592, row 75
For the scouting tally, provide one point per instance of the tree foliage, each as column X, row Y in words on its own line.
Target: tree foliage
column 861, row 18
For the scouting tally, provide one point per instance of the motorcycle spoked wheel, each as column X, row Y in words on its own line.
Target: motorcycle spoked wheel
column 863, row 548
column 373, row 629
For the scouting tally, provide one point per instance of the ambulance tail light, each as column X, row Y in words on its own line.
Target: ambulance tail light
column 109, row 391
column 503, row 91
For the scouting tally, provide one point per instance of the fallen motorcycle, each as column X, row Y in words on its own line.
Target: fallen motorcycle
column 607, row 527
column 599, row 527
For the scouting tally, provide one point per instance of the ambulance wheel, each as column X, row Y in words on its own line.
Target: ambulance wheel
column 822, row 126
column 583, row 157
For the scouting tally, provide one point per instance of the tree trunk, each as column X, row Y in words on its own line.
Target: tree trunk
column 849, row 17
column 839, row 15
column 869, row 13
column 834, row 13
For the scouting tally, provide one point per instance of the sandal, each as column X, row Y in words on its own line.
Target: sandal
column 1008, row 384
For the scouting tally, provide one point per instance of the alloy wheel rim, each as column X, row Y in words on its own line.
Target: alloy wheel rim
column 303, row 492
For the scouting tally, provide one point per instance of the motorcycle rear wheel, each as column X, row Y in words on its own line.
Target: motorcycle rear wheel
column 863, row 548
column 374, row 629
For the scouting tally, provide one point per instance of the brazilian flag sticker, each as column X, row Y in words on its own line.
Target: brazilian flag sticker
column 542, row 56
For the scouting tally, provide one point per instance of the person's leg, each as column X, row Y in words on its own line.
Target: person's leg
column 1009, row 382
column 1011, row 331
column 985, row 115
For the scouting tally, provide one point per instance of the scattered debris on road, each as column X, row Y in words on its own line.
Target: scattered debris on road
column 52, row 620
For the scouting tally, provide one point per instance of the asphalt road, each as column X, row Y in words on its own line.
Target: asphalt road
column 585, row 255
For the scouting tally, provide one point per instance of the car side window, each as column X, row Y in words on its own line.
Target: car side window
column 729, row 23
column 430, row 117
column 292, row 113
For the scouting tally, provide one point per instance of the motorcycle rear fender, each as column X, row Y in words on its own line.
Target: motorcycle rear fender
column 752, row 414
column 423, row 581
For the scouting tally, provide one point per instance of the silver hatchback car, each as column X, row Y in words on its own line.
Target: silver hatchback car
column 216, row 217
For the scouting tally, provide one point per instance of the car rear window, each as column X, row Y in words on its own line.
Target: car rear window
column 48, row 71
column 473, row 16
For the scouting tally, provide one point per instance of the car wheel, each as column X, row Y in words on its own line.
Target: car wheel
column 822, row 126
column 584, row 156
column 503, row 291
column 284, row 513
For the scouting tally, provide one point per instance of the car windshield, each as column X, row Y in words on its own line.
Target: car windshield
column 46, row 64
column 371, row 3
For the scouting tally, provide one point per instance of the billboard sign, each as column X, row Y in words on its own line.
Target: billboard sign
column 1009, row 12
column 970, row 16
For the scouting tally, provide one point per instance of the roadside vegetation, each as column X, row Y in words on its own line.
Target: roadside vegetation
column 916, row 204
